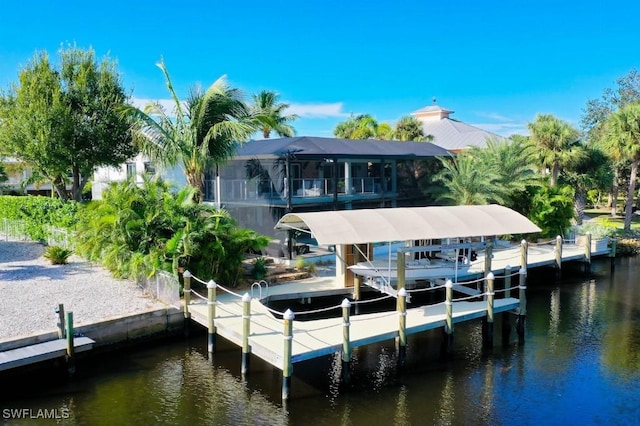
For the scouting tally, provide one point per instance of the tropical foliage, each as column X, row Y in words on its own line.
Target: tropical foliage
column 554, row 140
column 199, row 134
column 136, row 231
column 409, row 128
column 551, row 209
column 363, row 126
column 57, row 255
column 622, row 135
column 494, row 174
column 270, row 115
column 38, row 213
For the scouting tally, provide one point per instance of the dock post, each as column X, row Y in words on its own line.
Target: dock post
column 187, row 300
column 287, row 368
column 488, row 254
column 522, row 310
column 612, row 253
column 447, row 343
column 402, row 327
column 71, row 362
column 60, row 311
column 524, row 253
column 211, row 329
column 488, row 320
column 587, row 254
column 246, row 325
column 558, row 257
column 357, row 281
column 506, row 317
column 346, row 342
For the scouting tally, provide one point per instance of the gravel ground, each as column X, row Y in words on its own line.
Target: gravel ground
column 30, row 289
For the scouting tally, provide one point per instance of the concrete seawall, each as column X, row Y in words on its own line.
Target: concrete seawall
column 154, row 323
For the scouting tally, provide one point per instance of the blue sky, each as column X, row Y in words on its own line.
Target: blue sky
column 496, row 63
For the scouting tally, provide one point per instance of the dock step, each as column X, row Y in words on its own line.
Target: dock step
column 41, row 352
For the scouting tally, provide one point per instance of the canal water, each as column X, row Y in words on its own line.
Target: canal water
column 580, row 364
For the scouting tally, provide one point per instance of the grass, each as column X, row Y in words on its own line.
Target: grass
column 604, row 214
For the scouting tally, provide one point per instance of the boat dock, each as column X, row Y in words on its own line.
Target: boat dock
column 282, row 339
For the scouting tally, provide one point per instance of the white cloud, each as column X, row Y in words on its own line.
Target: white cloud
column 317, row 110
column 494, row 116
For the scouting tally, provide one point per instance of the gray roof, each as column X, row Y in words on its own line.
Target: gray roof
column 456, row 135
column 332, row 147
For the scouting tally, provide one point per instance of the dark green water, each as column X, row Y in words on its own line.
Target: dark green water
column 580, row 364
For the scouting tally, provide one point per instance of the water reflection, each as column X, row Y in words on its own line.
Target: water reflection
column 580, row 364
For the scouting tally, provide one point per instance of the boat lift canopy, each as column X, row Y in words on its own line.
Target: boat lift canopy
column 407, row 223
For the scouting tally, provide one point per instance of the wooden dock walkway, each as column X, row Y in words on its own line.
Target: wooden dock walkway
column 318, row 338
column 41, row 352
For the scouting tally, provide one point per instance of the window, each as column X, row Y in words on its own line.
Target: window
column 131, row 170
column 149, row 168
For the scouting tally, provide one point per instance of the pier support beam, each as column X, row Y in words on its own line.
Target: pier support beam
column 506, row 316
column 524, row 254
column 346, row 342
column 70, row 358
column 401, row 342
column 187, row 300
column 487, row 329
column 522, row 310
column 488, row 254
column 287, row 367
column 246, row 331
column 558, row 257
column 587, row 254
column 612, row 253
column 211, row 304
column 447, row 343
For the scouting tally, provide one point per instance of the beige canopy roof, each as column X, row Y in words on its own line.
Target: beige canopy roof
column 408, row 223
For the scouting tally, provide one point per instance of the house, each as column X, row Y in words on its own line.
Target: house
column 20, row 179
column 451, row 134
column 268, row 178
column 136, row 168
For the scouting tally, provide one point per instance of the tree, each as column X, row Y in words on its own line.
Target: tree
column 270, row 115
column 409, row 128
column 468, row 181
column 590, row 170
column 554, row 139
column 363, row 126
column 623, row 135
column 198, row 135
column 66, row 121
column 594, row 118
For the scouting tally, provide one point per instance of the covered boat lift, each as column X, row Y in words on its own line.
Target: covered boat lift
column 353, row 232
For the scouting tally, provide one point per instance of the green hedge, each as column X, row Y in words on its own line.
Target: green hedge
column 39, row 212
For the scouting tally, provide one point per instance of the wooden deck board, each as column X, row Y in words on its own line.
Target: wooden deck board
column 41, row 352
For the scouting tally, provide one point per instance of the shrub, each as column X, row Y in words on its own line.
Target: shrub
column 57, row 255
column 259, row 268
column 40, row 212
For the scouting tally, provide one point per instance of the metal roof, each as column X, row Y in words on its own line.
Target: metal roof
column 333, row 147
column 455, row 135
column 408, row 223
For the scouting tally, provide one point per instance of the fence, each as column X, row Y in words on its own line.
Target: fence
column 162, row 286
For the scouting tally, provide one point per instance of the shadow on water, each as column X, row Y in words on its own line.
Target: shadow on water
column 579, row 365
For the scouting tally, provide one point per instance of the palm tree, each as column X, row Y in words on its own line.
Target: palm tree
column 363, row 126
column 468, row 181
column 198, row 134
column 410, row 128
column 270, row 115
column 623, row 137
column 554, row 139
column 591, row 170
column 511, row 161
